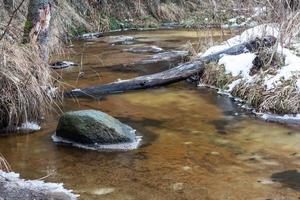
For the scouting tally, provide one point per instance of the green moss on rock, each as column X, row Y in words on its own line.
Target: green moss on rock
column 91, row 126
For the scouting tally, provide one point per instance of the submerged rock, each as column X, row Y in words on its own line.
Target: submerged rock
column 145, row 49
column 93, row 127
column 169, row 56
column 12, row 187
column 62, row 64
column 91, row 36
column 120, row 39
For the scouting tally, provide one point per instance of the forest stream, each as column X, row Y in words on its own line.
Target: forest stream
column 196, row 144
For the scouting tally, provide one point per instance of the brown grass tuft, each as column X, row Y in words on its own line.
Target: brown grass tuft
column 25, row 85
column 283, row 99
column 4, row 165
column 215, row 75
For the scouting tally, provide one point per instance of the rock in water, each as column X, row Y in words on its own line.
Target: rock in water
column 168, row 56
column 90, row 36
column 62, row 64
column 93, row 127
column 145, row 49
column 120, row 39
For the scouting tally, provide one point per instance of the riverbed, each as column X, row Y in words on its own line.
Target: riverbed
column 197, row 144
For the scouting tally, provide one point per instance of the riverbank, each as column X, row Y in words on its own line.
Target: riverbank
column 266, row 80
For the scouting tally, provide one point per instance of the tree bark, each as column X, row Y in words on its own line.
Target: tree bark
column 176, row 74
column 9, row 5
column 37, row 26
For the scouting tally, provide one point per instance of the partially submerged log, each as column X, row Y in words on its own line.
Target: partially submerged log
column 162, row 78
column 176, row 74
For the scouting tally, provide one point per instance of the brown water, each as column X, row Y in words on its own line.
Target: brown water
column 196, row 143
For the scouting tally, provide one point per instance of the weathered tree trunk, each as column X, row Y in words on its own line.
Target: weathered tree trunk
column 176, row 74
column 9, row 4
column 37, row 26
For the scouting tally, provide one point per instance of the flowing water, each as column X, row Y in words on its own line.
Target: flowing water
column 196, row 144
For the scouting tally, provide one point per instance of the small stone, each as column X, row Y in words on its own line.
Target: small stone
column 144, row 49
column 265, row 182
column 214, row 153
column 188, row 143
column 103, row 191
column 186, row 168
column 178, row 187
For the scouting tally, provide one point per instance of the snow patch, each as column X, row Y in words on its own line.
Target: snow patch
column 13, row 181
column 291, row 119
column 29, row 126
column 238, row 64
column 76, row 90
column 250, row 34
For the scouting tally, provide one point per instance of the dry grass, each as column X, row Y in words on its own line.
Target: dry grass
column 25, row 85
column 4, row 165
column 284, row 99
column 215, row 75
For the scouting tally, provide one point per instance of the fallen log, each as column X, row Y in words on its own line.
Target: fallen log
column 172, row 75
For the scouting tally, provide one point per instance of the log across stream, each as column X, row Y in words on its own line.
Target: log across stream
column 172, row 75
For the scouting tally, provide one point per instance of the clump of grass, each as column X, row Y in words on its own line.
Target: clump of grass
column 215, row 75
column 4, row 165
column 283, row 99
column 251, row 93
column 26, row 86
column 267, row 61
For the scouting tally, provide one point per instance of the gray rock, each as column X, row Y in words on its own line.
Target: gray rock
column 93, row 127
column 168, row 56
column 144, row 49
column 62, row 64
column 90, row 36
column 120, row 39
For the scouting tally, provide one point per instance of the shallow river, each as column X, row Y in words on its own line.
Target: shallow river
column 196, row 144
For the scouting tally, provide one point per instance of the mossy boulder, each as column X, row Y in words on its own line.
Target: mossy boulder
column 93, row 127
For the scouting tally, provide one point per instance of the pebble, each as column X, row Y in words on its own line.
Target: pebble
column 178, row 187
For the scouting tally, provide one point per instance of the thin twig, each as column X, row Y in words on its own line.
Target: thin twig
column 11, row 18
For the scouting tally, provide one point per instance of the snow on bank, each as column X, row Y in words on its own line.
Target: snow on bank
column 29, row 126
column 291, row 119
column 250, row 34
column 12, row 182
column 239, row 66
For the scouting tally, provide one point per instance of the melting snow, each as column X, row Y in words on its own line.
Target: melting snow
column 13, row 180
column 238, row 64
column 31, row 126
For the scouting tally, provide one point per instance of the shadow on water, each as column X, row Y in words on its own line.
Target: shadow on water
column 141, row 126
column 233, row 114
column 290, row 178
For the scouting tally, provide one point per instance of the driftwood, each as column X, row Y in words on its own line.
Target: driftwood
column 175, row 74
